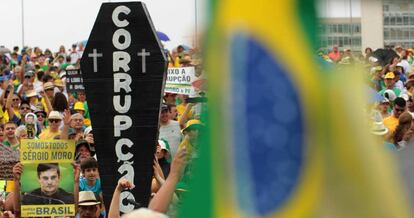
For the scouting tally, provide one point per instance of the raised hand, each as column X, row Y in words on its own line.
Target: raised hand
column 124, row 184
column 17, row 171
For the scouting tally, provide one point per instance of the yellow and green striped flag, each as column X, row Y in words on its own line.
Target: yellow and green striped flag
column 276, row 144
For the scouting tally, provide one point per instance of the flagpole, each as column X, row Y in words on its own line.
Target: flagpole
column 195, row 32
column 22, row 24
column 351, row 25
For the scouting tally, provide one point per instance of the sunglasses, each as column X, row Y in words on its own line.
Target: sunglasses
column 54, row 121
column 399, row 110
column 16, row 99
column 40, row 115
column 25, row 108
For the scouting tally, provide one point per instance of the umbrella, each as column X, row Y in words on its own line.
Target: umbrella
column 4, row 50
column 162, row 36
column 384, row 56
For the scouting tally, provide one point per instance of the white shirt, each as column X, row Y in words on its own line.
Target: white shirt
column 172, row 134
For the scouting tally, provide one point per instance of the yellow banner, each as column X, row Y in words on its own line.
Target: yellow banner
column 47, row 181
column 48, row 210
column 47, row 151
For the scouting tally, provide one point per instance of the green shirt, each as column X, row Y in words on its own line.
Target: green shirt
column 7, row 143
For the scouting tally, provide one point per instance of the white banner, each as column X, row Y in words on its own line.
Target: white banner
column 180, row 80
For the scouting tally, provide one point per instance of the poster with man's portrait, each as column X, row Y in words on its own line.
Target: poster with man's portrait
column 47, row 181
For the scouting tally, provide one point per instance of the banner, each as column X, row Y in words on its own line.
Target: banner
column 180, row 79
column 8, row 158
column 74, row 81
column 47, row 181
column 124, row 69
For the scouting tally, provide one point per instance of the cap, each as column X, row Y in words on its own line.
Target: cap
column 71, row 131
column 29, row 73
column 79, row 106
column 164, row 144
column 58, row 83
column 389, row 75
column 84, row 142
column 192, row 124
column 164, row 107
column 87, row 130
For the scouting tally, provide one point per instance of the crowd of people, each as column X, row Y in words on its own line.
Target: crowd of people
column 35, row 104
column 389, row 73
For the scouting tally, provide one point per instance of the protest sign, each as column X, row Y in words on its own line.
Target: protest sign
column 74, row 81
column 8, row 158
column 179, row 80
column 47, row 181
column 124, row 68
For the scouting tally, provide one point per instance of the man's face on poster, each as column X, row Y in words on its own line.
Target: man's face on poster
column 49, row 181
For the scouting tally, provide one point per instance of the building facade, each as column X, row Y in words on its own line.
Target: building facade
column 382, row 22
column 399, row 23
column 343, row 32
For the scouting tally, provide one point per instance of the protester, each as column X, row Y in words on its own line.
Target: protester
column 403, row 131
column 83, row 151
column 391, row 122
column 170, row 129
column 90, row 181
column 35, row 105
column 335, row 55
column 88, row 205
column 10, row 136
column 162, row 200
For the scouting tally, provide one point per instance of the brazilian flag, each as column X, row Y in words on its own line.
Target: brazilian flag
column 283, row 139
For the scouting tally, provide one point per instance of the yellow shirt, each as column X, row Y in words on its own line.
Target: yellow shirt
column 6, row 115
column 391, row 123
column 46, row 134
column 44, row 105
column 181, row 109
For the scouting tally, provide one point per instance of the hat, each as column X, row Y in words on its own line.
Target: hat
column 29, row 73
column 31, row 93
column 84, row 142
column 404, row 96
column 87, row 198
column 372, row 59
column 192, row 124
column 164, row 107
column 389, row 75
column 390, row 95
column 79, row 106
column 54, row 115
column 378, row 127
column 164, row 145
column 58, row 83
column 48, row 85
column 40, row 110
column 71, row 131
column 87, row 130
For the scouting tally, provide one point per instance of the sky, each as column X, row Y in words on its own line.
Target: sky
column 339, row 8
column 51, row 23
